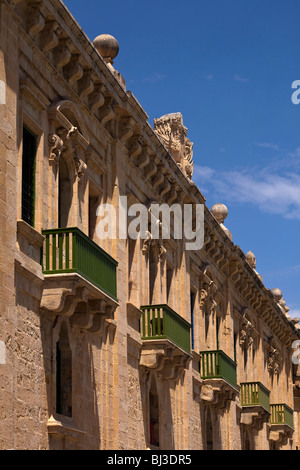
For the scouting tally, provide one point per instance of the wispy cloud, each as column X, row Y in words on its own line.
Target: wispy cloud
column 296, row 153
column 271, row 192
column 267, row 145
column 286, row 273
column 238, row 78
column 294, row 313
column 155, row 77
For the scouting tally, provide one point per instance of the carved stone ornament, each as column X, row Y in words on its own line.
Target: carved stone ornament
column 71, row 296
column 168, row 361
column 207, row 293
column 248, row 332
column 155, row 244
column 67, row 136
column 217, row 393
column 68, row 141
column 56, row 148
column 273, row 357
column 279, row 300
column 173, row 134
column 251, row 260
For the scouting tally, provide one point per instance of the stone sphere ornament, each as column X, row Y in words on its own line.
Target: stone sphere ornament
column 220, row 212
column 107, row 46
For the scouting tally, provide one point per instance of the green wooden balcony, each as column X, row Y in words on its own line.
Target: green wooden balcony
column 161, row 322
column 281, row 414
column 217, row 365
column 255, row 394
column 69, row 250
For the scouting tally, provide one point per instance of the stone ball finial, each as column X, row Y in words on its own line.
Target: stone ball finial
column 277, row 294
column 107, row 46
column 220, row 212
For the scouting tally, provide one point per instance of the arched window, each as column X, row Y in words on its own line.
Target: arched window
column 209, row 444
column 65, row 194
column 247, row 442
column 154, row 414
column 152, row 273
column 63, row 373
column 28, row 175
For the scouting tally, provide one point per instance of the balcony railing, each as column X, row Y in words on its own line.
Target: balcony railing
column 69, row 250
column 161, row 322
column 217, row 365
column 281, row 414
column 255, row 394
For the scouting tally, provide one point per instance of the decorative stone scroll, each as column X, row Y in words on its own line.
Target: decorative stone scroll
column 156, row 245
column 217, row 393
column 173, row 134
column 248, row 333
column 168, row 361
column 56, row 148
column 273, row 356
column 207, row 293
column 66, row 136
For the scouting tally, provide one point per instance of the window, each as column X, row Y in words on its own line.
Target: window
column 28, row 175
column 154, row 414
column 234, row 345
column 65, row 194
column 154, row 420
column 209, row 444
column 192, row 318
column 218, row 331
column 152, row 273
column 63, row 374
column 169, row 282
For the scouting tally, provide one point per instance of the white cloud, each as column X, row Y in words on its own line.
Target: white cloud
column 270, row 192
column 294, row 313
column 296, row 153
column 155, row 77
column 268, row 145
column 238, row 78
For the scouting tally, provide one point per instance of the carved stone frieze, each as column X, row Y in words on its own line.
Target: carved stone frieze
column 173, row 134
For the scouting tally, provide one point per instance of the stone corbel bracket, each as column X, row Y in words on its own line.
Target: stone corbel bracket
column 254, row 417
column 164, row 358
column 280, row 433
column 72, row 296
column 217, row 393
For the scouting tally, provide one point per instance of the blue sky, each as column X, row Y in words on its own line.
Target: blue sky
column 228, row 67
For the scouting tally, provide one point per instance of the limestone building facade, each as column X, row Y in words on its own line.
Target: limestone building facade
column 117, row 342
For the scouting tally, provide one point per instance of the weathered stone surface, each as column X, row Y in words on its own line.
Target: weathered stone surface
column 62, row 338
